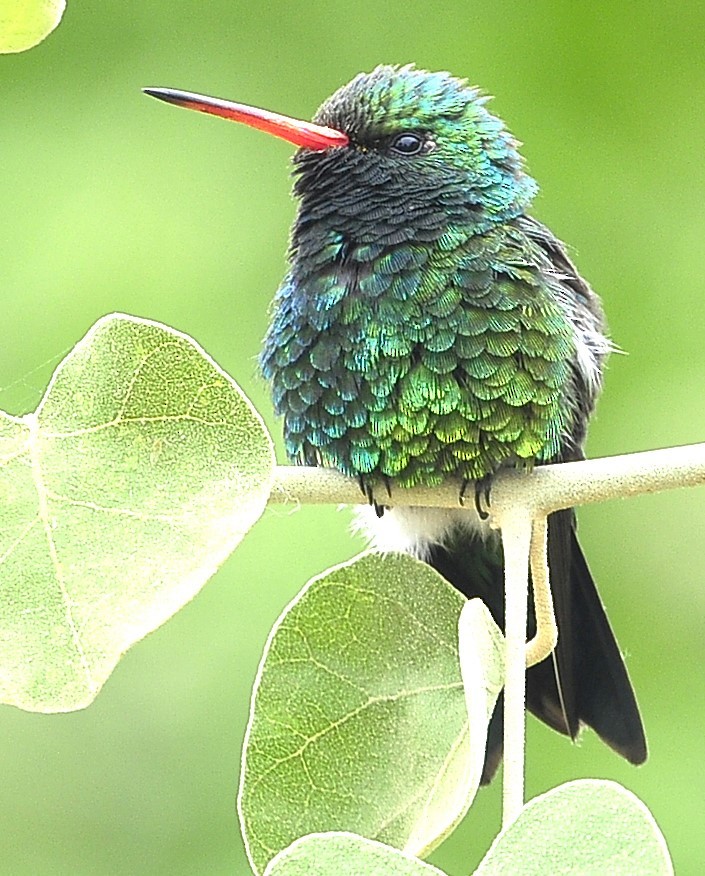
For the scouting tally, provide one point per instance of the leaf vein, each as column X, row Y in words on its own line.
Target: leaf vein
column 43, row 500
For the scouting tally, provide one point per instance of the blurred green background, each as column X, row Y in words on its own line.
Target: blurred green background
column 114, row 202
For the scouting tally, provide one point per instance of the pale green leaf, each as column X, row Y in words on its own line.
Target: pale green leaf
column 139, row 473
column 590, row 827
column 24, row 23
column 482, row 666
column 359, row 721
column 345, row 854
column 481, row 653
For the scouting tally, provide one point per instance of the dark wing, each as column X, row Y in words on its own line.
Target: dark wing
column 594, row 686
column 584, row 311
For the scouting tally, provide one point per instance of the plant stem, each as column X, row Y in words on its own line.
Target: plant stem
column 546, row 638
column 547, row 488
column 516, row 528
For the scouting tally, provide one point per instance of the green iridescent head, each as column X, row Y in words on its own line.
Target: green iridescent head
column 414, row 132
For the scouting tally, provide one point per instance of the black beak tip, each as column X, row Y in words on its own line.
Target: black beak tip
column 160, row 93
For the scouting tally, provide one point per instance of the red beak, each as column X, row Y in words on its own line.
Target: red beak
column 299, row 133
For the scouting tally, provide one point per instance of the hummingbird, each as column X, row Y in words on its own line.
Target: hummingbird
column 429, row 328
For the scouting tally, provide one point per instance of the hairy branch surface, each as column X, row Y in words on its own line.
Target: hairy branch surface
column 547, row 488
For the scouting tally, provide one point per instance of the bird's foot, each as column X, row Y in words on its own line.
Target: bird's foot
column 482, row 489
column 483, row 493
column 367, row 489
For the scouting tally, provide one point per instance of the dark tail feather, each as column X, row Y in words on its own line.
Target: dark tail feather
column 605, row 697
column 585, row 681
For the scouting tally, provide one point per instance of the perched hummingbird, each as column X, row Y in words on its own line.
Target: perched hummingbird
column 428, row 328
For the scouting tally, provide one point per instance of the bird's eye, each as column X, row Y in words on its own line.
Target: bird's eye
column 407, row 144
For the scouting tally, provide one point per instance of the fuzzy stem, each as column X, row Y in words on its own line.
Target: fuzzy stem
column 548, row 488
column 546, row 636
column 516, row 528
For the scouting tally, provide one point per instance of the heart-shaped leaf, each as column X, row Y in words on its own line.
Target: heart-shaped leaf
column 590, row 827
column 344, row 732
column 24, row 23
column 345, row 854
column 139, row 473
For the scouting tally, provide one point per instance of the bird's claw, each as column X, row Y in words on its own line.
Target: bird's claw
column 364, row 489
column 368, row 492
column 483, row 490
column 387, row 486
